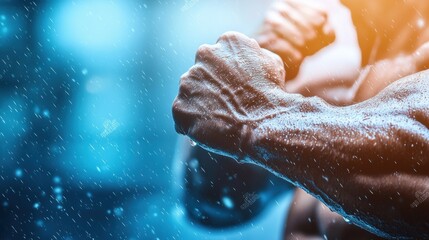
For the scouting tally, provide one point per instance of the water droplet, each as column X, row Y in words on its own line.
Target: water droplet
column 39, row 223
column 193, row 144
column 57, row 179
column 227, row 202
column 118, row 212
column 18, row 173
column 193, row 163
column 346, row 220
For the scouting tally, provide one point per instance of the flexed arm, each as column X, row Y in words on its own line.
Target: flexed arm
column 365, row 161
column 369, row 162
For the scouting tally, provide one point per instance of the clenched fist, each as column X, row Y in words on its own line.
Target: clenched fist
column 295, row 29
column 233, row 85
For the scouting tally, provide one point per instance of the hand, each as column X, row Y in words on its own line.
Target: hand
column 231, row 85
column 293, row 30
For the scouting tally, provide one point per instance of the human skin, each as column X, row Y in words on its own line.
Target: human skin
column 389, row 34
column 398, row 64
column 294, row 30
column 365, row 161
column 305, row 207
column 308, row 218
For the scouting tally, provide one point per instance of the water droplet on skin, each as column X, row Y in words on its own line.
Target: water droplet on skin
column 193, row 144
column 346, row 220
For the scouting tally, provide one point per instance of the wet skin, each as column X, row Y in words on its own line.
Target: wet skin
column 400, row 62
column 395, row 58
column 365, row 161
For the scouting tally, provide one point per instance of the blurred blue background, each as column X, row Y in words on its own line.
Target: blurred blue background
column 87, row 139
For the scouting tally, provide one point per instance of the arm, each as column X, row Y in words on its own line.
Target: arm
column 365, row 161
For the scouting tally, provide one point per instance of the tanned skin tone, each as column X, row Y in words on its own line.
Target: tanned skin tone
column 365, row 161
column 309, row 218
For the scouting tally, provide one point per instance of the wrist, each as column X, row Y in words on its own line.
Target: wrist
column 292, row 134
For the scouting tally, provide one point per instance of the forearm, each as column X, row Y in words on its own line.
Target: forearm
column 365, row 161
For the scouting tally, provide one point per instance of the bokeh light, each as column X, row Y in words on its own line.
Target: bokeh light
column 93, row 25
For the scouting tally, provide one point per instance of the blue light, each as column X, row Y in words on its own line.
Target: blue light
column 227, row 202
column 18, row 173
column 57, row 179
column 93, row 25
column 118, row 212
column 59, row 198
column 46, row 113
column 39, row 223
column 58, row 190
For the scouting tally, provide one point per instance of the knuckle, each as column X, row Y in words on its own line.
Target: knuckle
column 235, row 39
column 228, row 36
column 278, row 59
column 319, row 21
column 299, row 41
column 279, row 6
column 323, row 14
column 184, row 77
column 203, row 51
column 272, row 20
column 254, row 43
column 176, row 106
column 184, row 91
column 265, row 42
column 193, row 72
column 177, row 113
column 310, row 35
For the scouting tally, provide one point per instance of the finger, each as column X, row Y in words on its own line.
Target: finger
column 313, row 4
column 204, row 52
column 284, row 49
column 290, row 13
column 290, row 56
column 280, row 65
column 183, row 106
column 274, row 56
column 181, row 121
column 232, row 38
column 285, row 29
column 316, row 15
column 329, row 32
